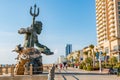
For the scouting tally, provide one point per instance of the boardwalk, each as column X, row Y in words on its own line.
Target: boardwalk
column 76, row 74
column 69, row 74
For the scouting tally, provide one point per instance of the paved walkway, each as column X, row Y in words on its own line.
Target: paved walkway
column 77, row 74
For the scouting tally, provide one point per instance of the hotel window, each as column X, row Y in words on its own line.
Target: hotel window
column 118, row 12
column 106, row 50
column 119, row 21
column 118, row 7
column 118, row 3
column 115, row 48
column 119, row 47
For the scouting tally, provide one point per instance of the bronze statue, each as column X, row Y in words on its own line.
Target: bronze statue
column 28, row 54
column 31, row 37
column 31, row 33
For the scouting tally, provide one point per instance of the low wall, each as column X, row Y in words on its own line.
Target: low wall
column 25, row 77
column 7, row 73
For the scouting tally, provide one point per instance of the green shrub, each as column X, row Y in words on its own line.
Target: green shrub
column 89, row 68
column 80, row 66
column 116, row 67
column 108, row 67
column 84, row 67
column 71, row 65
column 113, row 60
column 88, row 61
column 96, row 68
column 97, row 64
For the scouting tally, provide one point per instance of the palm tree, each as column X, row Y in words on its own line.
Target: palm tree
column 86, row 54
column 76, row 60
column 78, row 55
column 88, row 61
column 113, row 60
column 70, row 58
column 93, row 53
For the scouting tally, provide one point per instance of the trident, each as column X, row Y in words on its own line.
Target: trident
column 34, row 14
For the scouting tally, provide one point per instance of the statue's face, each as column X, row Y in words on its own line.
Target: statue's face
column 38, row 28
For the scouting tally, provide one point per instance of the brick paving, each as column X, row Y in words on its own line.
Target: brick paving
column 70, row 74
column 77, row 74
column 24, row 77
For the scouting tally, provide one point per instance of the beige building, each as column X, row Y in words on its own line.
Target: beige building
column 75, row 55
column 88, row 50
column 108, row 25
column 61, row 59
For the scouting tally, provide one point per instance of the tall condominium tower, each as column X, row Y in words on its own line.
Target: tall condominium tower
column 68, row 49
column 108, row 25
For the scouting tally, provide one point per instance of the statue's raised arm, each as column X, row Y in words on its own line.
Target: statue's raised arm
column 25, row 30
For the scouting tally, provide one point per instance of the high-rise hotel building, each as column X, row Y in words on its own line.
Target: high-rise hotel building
column 68, row 49
column 108, row 25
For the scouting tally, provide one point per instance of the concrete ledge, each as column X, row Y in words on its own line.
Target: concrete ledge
column 25, row 77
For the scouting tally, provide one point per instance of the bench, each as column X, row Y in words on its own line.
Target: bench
column 113, row 71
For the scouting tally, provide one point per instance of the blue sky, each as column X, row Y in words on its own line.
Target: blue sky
column 64, row 22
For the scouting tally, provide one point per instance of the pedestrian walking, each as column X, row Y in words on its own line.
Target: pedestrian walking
column 66, row 66
column 61, row 66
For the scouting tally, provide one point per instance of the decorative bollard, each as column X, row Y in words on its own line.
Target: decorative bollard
column 0, row 69
column 51, row 74
column 26, row 70
column 12, row 70
column 31, row 70
column 6, row 67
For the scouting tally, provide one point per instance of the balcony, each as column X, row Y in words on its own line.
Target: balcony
column 103, row 11
column 100, row 11
column 112, row 35
column 99, row 3
column 112, row 30
column 100, row 42
column 100, row 18
column 99, row 23
column 110, row 3
column 103, row 7
column 98, row 8
column 111, row 16
column 111, row 21
column 110, row 12
column 105, row 37
column 97, row 14
column 104, row 24
column 112, row 25
column 110, row 7
column 101, row 27
column 101, row 34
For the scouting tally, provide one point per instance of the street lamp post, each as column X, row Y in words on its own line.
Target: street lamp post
column 100, row 66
